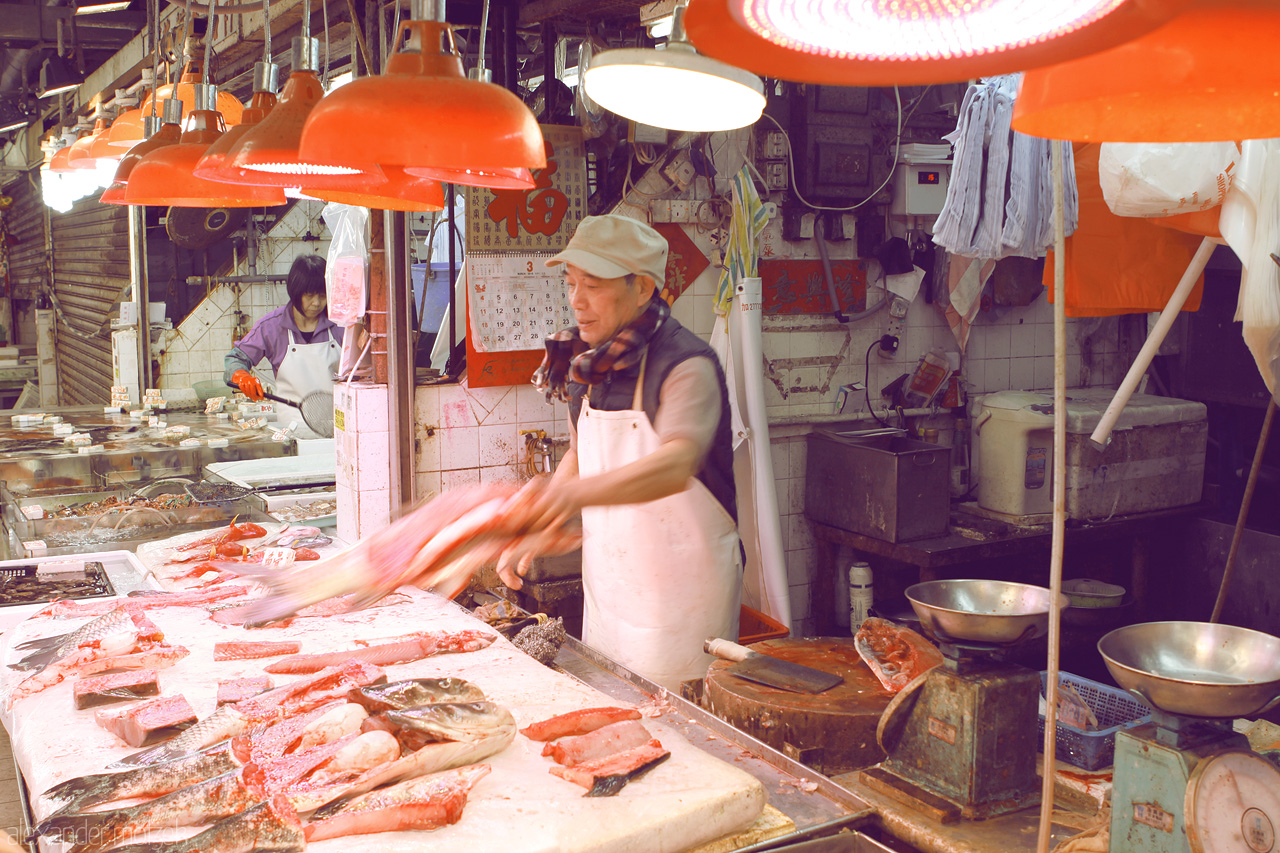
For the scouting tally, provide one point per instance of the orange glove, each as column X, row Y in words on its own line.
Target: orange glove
column 248, row 384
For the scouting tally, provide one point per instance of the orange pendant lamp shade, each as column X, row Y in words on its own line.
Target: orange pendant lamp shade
column 61, row 160
column 910, row 42
column 214, row 165
column 185, row 89
column 169, row 133
column 127, row 130
column 165, row 176
column 102, row 149
column 401, row 191
column 268, row 155
column 496, row 179
column 424, row 112
column 1208, row 75
column 79, row 156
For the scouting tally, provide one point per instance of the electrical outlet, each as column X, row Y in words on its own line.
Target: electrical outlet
column 806, row 226
column 775, row 175
column 775, row 145
column 680, row 171
column 660, row 210
column 681, row 211
column 896, row 327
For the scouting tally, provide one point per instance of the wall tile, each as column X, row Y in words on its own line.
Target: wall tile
column 799, row 455
column 532, row 405
column 427, row 484
column 504, row 411
column 998, row 336
column 799, row 594
column 1022, row 340
column 372, row 471
column 426, row 406
column 1043, row 344
column 1021, row 373
column 428, row 455
column 499, row 445
column 1044, row 371
column 997, row 374
column 375, row 511
column 499, row 474
column 455, row 408
column 348, row 514
column 780, row 449
column 459, row 448
column 458, row 479
column 975, row 374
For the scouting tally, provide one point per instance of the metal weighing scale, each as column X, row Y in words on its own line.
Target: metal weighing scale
column 1186, row 782
column 961, row 739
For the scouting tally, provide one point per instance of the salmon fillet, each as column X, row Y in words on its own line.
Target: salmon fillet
column 578, row 722
column 603, row 742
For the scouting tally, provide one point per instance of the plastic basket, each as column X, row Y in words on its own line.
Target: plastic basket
column 1115, row 709
column 756, row 627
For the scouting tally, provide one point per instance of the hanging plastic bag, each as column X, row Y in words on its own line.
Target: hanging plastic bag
column 347, row 268
column 1163, row 179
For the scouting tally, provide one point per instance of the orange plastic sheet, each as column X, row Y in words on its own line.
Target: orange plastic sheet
column 1119, row 264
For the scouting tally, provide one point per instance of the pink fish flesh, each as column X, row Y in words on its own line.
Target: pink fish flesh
column 603, row 742
column 577, row 722
column 68, row 608
column 401, row 650
column 308, row 693
column 606, row 776
column 251, row 650
column 428, row 802
column 92, row 659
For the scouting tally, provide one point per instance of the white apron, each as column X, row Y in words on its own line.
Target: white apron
column 659, row 577
column 305, row 368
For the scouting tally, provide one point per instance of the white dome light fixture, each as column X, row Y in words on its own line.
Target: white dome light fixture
column 675, row 88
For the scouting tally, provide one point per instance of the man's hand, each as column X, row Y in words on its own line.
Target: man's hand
column 248, row 384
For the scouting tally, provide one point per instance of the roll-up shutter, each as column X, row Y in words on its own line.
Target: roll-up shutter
column 24, row 226
column 90, row 277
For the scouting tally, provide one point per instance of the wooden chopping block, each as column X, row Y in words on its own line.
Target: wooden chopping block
column 833, row 731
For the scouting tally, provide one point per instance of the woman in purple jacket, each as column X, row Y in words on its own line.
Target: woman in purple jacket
column 298, row 339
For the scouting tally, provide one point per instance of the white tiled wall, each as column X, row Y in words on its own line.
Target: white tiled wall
column 362, row 445
column 194, row 350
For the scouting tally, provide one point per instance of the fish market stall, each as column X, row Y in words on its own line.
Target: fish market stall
column 714, row 782
column 24, row 589
column 84, row 449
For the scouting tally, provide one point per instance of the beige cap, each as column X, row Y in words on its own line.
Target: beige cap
column 613, row 246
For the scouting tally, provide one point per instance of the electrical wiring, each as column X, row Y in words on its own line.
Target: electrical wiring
column 791, row 162
column 866, row 380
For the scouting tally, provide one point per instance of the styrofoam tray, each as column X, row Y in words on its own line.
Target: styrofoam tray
column 251, row 473
column 276, row 502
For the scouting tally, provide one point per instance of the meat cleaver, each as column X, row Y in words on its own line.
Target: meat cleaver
column 770, row 671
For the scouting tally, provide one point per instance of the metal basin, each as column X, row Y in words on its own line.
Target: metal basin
column 996, row 613
column 1195, row 668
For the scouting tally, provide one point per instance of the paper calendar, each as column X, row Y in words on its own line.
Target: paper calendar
column 515, row 301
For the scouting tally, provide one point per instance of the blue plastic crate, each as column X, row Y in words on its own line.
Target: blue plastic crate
column 1115, row 709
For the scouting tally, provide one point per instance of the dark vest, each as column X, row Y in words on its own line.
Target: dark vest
column 670, row 345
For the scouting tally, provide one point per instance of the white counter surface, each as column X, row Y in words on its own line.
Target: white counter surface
column 518, row 808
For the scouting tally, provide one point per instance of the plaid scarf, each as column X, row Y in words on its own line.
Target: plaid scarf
column 568, row 359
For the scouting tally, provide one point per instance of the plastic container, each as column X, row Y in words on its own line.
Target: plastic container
column 756, row 627
column 1155, row 459
column 1115, row 709
column 861, row 595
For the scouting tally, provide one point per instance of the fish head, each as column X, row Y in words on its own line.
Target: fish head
column 452, row 721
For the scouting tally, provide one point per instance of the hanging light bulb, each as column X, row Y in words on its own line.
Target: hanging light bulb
column 268, row 154
column 184, row 90
column 169, row 132
column 675, row 88
column 425, row 114
column 1196, row 79
column 909, row 42
column 165, row 176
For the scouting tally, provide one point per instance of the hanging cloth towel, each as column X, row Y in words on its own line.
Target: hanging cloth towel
column 999, row 199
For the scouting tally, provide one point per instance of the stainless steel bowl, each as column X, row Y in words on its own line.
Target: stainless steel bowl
column 996, row 613
column 1195, row 668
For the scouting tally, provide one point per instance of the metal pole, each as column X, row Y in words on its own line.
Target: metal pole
column 1245, row 502
column 141, row 297
column 1044, row 836
column 400, row 376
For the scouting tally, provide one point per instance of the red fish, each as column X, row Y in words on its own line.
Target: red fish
column 603, row 742
column 399, row 650
column 428, row 802
column 578, row 722
column 606, row 776
column 233, row 533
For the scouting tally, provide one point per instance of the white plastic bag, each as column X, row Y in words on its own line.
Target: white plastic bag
column 347, row 266
column 1164, row 179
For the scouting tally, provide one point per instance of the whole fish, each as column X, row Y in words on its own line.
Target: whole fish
column 124, row 619
column 223, row 723
column 116, row 652
column 429, row 802
column 466, row 733
column 202, row 802
column 271, row 826
column 410, row 647
column 152, row 781
column 420, row 548
column 414, row 693
column 67, row 608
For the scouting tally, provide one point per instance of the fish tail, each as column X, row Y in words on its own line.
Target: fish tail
column 86, row 832
column 80, row 789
